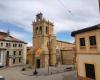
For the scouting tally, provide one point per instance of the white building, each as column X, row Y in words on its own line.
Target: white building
column 12, row 50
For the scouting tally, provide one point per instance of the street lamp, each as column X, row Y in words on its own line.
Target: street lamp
column 48, row 64
column 49, row 41
column 35, row 72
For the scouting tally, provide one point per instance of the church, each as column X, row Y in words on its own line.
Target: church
column 46, row 50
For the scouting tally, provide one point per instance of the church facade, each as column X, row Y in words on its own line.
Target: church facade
column 44, row 42
column 47, row 51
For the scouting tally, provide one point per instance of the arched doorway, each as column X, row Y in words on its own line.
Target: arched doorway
column 38, row 63
column 37, row 57
column 7, row 59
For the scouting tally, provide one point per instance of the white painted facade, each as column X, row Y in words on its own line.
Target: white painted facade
column 21, row 47
column 2, row 57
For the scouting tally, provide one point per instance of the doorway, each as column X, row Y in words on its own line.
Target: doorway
column 90, row 71
column 38, row 63
column 7, row 59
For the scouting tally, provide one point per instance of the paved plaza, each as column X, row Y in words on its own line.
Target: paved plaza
column 55, row 73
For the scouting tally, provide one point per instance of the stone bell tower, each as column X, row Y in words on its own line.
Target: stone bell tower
column 44, row 42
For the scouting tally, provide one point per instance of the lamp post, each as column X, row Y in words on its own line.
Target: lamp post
column 48, row 64
column 49, row 41
column 35, row 72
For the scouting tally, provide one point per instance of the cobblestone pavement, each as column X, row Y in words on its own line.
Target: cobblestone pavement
column 58, row 73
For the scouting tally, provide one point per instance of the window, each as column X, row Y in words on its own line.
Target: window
column 14, row 53
column 19, row 60
column 13, row 61
column 6, row 44
column 14, row 45
column 37, row 30
column 19, row 52
column 20, row 45
column 46, row 30
column 82, row 41
column 40, row 30
column 1, row 44
column 92, row 40
column 7, row 54
column 9, row 44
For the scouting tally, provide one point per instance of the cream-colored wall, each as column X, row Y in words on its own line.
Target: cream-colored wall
column 90, row 59
column 87, row 54
column 87, row 48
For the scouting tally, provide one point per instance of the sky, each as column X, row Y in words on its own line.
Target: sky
column 67, row 16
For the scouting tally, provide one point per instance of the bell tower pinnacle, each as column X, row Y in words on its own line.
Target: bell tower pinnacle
column 39, row 17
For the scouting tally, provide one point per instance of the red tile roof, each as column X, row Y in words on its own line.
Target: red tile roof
column 4, row 35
